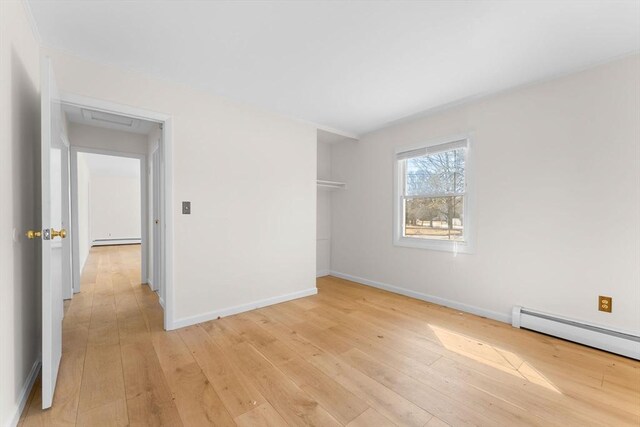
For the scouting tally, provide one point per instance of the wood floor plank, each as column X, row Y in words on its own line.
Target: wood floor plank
column 291, row 402
column 371, row 417
column 436, row 422
column 142, row 372
column 102, row 378
column 261, row 416
column 341, row 403
column 543, row 402
column 350, row 355
column 75, row 337
column 196, row 399
column 144, row 409
column 239, row 396
column 276, row 351
column 463, row 411
column 384, row 400
column 65, row 400
column 133, row 329
column 303, row 347
column 111, row 414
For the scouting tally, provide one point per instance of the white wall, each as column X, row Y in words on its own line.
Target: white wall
column 250, row 176
column 20, row 297
column 84, row 233
column 323, row 212
column 114, row 207
column 558, row 201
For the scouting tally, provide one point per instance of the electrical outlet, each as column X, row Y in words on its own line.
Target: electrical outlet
column 605, row 303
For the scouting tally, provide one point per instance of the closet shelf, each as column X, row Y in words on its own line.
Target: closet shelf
column 331, row 185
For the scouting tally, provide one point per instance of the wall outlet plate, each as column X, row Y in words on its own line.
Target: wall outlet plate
column 605, row 303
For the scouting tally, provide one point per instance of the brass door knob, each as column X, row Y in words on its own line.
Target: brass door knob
column 62, row 233
column 32, row 234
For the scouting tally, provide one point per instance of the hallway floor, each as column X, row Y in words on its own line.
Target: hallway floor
column 351, row 355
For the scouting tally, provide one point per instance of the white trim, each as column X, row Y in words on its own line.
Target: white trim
column 23, row 398
column 167, row 211
column 478, row 311
column 468, row 245
column 602, row 337
column 168, row 290
column 112, row 107
column 76, row 268
column 192, row 320
column 323, row 273
column 323, row 183
column 67, row 244
column 161, row 301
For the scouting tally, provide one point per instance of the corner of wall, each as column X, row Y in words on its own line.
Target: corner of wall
column 25, row 392
column 478, row 311
column 32, row 21
column 205, row 317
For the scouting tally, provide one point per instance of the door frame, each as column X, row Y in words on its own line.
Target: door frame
column 144, row 237
column 166, row 188
column 155, row 197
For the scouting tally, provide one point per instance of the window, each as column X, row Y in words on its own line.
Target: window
column 432, row 202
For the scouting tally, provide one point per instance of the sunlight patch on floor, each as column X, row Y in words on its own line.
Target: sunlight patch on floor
column 490, row 355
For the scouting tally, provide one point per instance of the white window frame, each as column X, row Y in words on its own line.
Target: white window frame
column 399, row 239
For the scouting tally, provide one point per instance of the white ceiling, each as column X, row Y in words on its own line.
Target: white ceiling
column 352, row 66
column 90, row 117
column 100, row 164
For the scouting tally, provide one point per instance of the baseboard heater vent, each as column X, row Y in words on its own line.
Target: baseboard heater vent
column 124, row 241
column 594, row 336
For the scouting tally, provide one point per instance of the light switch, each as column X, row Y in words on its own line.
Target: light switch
column 186, row 208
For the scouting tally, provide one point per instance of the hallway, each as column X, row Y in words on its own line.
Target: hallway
column 109, row 373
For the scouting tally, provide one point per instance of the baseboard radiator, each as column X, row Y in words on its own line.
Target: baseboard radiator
column 594, row 336
column 124, row 241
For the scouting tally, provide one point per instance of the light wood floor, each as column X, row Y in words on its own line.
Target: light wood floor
column 351, row 355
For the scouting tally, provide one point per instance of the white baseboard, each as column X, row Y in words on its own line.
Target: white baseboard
column 161, row 301
column 478, row 311
column 24, row 394
column 192, row 320
column 323, row 273
column 107, row 242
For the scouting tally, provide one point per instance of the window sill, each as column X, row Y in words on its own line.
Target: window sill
column 435, row 245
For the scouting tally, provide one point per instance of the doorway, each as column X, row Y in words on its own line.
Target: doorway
column 154, row 162
column 109, row 190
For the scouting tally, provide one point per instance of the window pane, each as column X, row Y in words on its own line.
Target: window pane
column 439, row 218
column 437, row 173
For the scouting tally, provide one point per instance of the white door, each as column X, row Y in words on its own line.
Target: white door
column 52, row 232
